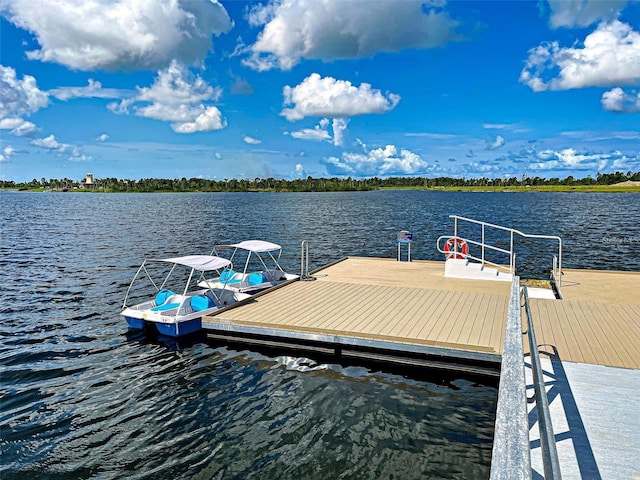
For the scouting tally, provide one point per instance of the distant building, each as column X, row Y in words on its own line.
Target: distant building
column 89, row 181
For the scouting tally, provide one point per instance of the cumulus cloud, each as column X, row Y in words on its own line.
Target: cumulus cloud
column 317, row 133
column 339, row 126
column 497, row 143
column 300, row 170
column 617, row 100
column 251, row 140
column 18, row 126
column 6, row 153
column 50, row 143
column 610, row 56
column 19, row 96
column 582, row 13
column 120, row 35
column 378, row 162
column 333, row 29
column 321, row 133
column 176, row 96
column 328, row 97
column 102, row 138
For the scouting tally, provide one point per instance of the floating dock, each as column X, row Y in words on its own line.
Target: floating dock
column 410, row 313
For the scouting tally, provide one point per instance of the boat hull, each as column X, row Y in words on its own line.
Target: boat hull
column 179, row 329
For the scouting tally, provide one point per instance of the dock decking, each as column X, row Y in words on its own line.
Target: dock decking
column 399, row 304
column 412, row 305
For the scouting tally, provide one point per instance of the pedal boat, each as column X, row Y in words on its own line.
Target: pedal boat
column 177, row 314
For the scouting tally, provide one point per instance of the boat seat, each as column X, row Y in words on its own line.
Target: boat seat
column 226, row 276
column 162, row 296
column 256, row 278
column 201, row 302
column 166, row 306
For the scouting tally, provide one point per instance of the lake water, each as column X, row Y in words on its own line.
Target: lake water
column 84, row 398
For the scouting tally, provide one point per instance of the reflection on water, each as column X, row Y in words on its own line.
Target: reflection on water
column 84, row 398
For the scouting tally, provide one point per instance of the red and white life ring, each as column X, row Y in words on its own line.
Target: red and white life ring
column 450, row 248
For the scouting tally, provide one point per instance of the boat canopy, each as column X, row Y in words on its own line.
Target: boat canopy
column 202, row 263
column 257, row 246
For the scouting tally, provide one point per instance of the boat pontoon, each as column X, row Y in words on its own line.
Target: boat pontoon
column 178, row 314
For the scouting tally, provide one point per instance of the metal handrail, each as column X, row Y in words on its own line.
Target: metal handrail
column 550, row 460
column 468, row 255
column 512, row 231
column 511, row 455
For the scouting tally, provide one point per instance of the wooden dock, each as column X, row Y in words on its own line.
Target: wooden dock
column 385, row 304
column 381, row 304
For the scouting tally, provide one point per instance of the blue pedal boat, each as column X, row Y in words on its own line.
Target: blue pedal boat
column 176, row 314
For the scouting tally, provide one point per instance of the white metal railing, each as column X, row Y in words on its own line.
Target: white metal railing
column 557, row 262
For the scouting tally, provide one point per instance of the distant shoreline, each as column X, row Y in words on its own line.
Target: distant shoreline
column 618, row 188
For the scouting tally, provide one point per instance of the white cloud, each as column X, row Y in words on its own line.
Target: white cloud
column 328, row 97
column 570, row 158
column 176, row 96
column 92, row 90
column 102, row 138
column 321, row 133
column 206, row 120
column 317, row 133
column 121, row 34
column 610, row 57
column 617, row 100
column 18, row 126
column 378, row 162
column 300, row 170
column 333, row 29
column 497, row 143
column 50, row 143
column 7, row 153
column 251, row 140
column 19, row 97
column 582, row 13
column 339, row 126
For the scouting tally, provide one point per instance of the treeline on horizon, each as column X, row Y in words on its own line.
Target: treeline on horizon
column 311, row 184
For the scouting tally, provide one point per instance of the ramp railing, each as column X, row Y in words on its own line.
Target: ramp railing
column 511, row 455
column 485, row 247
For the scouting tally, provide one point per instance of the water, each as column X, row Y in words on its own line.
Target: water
column 84, row 398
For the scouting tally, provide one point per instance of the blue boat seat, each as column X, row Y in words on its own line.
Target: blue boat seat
column 166, row 306
column 225, row 276
column 162, row 296
column 201, row 302
column 256, row 278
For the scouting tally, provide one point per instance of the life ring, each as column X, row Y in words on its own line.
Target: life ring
column 450, row 248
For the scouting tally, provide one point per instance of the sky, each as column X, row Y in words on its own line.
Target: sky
column 137, row 89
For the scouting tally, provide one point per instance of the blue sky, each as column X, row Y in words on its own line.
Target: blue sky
column 291, row 88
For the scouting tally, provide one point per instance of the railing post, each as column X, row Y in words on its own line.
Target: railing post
column 455, row 236
column 511, row 262
column 559, row 279
column 483, row 244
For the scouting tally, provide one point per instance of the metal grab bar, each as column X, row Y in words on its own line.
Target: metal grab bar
column 550, row 460
column 557, row 273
